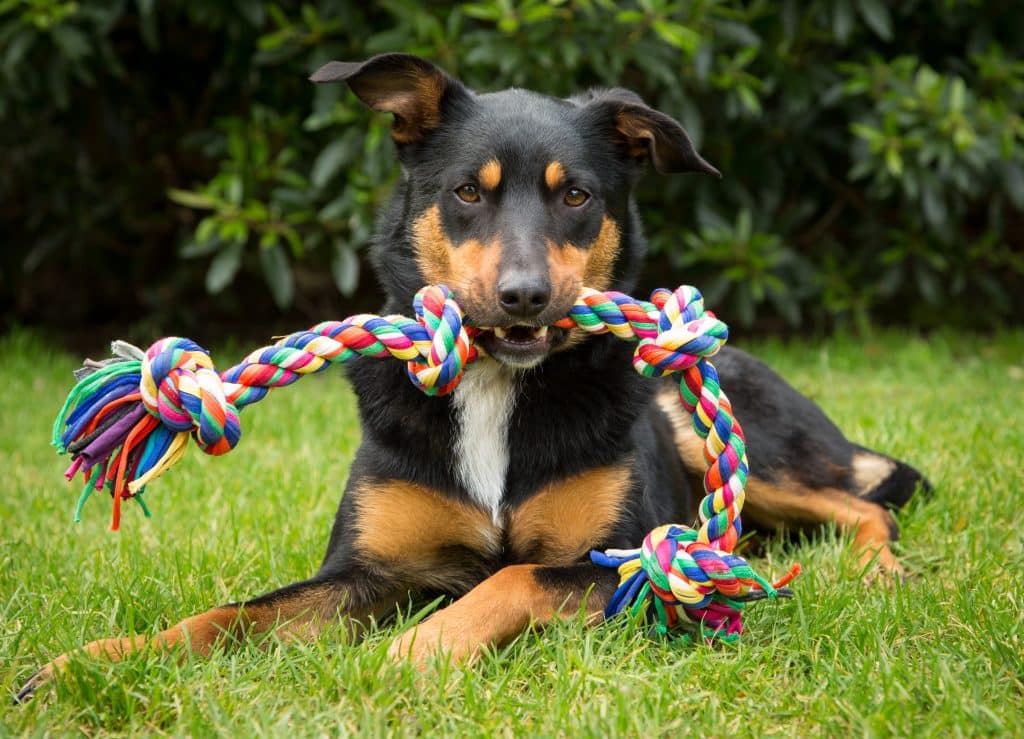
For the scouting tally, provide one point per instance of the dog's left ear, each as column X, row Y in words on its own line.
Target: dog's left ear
column 646, row 133
column 413, row 89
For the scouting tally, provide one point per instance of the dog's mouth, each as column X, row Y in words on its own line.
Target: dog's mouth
column 519, row 345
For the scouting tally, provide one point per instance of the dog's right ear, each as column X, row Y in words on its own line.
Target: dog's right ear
column 411, row 88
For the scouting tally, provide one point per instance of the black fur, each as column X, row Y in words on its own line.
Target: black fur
column 581, row 407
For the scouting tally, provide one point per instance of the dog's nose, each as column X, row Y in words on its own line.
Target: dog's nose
column 524, row 297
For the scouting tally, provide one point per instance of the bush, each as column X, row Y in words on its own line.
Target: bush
column 872, row 150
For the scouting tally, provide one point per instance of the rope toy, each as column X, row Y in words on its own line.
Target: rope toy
column 129, row 419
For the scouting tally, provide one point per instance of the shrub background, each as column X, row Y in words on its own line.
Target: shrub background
column 154, row 154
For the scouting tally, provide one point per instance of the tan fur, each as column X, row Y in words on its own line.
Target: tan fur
column 565, row 520
column 414, row 528
column 638, row 135
column 492, row 613
column 470, row 269
column 300, row 617
column 430, row 90
column 601, row 255
column 572, row 268
column 789, row 502
column 554, row 174
column 688, row 444
column 489, row 175
column 415, row 111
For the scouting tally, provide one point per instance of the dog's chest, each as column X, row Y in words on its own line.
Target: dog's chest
column 483, row 402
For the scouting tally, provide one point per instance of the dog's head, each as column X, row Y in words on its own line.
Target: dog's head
column 513, row 199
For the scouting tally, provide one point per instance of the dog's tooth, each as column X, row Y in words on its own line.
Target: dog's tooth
column 500, row 332
column 541, row 332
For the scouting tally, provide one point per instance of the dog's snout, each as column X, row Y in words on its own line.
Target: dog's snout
column 524, row 295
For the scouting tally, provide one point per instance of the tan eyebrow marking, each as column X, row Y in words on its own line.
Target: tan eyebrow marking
column 554, row 174
column 490, row 174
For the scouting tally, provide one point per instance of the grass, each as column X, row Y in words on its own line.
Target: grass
column 940, row 655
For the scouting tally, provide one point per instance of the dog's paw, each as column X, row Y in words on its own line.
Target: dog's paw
column 416, row 646
column 429, row 639
column 881, row 568
column 38, row 678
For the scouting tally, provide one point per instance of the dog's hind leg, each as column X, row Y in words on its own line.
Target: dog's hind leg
column 803, row 470
column 506, row 604
column 299, row 610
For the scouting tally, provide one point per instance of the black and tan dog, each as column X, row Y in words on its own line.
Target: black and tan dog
column 551, row 445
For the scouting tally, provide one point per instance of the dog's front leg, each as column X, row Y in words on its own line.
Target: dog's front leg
column 506, row 604
column 299, row 610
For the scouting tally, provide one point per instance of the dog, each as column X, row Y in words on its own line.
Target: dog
column 551, row 445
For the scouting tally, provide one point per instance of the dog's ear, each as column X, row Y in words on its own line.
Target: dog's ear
column 411, row 88
column 646, row 134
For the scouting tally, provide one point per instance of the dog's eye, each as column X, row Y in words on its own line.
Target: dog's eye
column 575, row 197
column 468, row 193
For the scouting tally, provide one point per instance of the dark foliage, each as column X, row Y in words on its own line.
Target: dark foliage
column 155, row 153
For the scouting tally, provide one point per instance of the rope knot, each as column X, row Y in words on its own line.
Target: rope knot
column 450, row 349
column 688, row 579
column 686, row 333
column 182, row 388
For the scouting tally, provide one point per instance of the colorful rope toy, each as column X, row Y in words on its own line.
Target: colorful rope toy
column 129, row 419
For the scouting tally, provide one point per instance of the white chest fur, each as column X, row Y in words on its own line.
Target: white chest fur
column 483, row 406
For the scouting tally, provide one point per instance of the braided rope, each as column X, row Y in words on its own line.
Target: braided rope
column 128, row 421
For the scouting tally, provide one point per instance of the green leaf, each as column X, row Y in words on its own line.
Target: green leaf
column 72, row 42
column 749, row 99
column 234, row 230
column 269, row 239
column 192, row 199
column 197, row 248
column 629, row 17
column 253, row 11
column 928, row 285
column 345, row 269
column 235, row 190
column 842, row 20
column 224, row 267
column 328, row 162
column 876, row 14
column 206, row 230
column 677, row 35
column 1013, row 181
column 893, row 161
column 933, row 206
column 790, row 17
column 277, row 271
column 147, row 23
column 537, row 14
column 17, row 49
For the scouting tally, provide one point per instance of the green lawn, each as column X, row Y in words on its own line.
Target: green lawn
column 939, row 655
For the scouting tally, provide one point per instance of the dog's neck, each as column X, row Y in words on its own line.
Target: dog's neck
column 483, row 403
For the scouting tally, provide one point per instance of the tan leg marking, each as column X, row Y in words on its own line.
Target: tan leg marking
column 495, row 611
column 565, row 520
column 789, row 503
column 298, row 617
